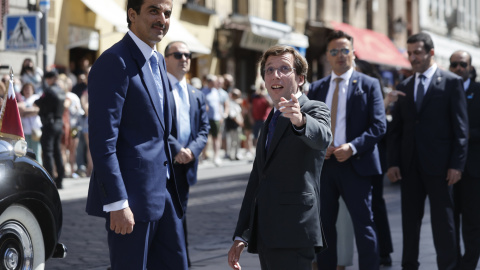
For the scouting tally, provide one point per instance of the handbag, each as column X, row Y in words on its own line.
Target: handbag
column 36, row 132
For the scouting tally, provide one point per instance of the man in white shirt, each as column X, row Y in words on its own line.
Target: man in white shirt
column 190, row 131
column 358, row 124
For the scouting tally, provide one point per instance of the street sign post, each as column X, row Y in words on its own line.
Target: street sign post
column 22, row 32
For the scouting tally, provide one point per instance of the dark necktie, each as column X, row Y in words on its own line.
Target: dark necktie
column 271, row 128
column 157, row 79
column 420, row 92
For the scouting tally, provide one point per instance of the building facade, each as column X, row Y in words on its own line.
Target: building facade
column 230, row 36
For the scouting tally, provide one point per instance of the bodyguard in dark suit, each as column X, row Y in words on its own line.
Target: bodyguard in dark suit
column 190, row 130
column 133, row 184
column 427, row 149
column 466, row 191
column 280, row 214
column 358, row 124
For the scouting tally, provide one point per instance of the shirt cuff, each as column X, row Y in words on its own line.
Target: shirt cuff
column 241, row 239
column 115, row 206
column 354, row 150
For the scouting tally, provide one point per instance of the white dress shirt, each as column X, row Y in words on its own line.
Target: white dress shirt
column 341, row 125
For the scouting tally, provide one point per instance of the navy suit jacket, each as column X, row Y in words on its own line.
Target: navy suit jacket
column 198, row 138
column 365, row 119
column 129, row 135
column 436, row 136
column 473, row 109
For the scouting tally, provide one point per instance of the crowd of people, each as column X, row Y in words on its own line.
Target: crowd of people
column 54, row 108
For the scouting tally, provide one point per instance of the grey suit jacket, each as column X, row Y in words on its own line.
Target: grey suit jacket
column 283, row 192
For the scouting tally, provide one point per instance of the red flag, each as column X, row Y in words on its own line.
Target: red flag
column 10, row 123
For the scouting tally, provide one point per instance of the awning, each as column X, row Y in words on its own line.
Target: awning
column 177, row 32
column 110, row 11
column 260, row 34
column 444, row 47
column 373, row 47
column 116, row 15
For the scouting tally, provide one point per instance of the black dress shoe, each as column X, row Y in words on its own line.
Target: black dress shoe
column 386, row 260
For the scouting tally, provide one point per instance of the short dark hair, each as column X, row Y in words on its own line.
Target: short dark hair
column 337, row 34
column 169, row 45
column 421, row 37
column 301, row 65
column 135, row 5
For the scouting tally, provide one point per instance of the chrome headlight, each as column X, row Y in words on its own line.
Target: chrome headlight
column 20, row 148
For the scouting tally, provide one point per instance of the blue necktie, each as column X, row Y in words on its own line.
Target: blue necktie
column 183, row 117
column 271, row 128
column 158, row 84
column 157, row 78
column 420, row 92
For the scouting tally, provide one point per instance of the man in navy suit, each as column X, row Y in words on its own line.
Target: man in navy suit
column 190, row 132
column 133, row 184
column 358, row 124
column 427, row 149
column 466, row 191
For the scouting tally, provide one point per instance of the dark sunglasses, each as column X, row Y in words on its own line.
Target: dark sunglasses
column 455, row 64
column 178, row 55
column 334, row 52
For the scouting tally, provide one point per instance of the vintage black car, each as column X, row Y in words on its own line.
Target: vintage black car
column 30, row 210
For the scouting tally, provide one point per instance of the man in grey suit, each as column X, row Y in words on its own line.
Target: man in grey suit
column 280, row 214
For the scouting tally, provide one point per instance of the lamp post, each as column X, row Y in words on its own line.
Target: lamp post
column 44, row 8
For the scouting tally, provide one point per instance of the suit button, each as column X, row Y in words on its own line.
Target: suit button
column 264, row 176
column 165, row 163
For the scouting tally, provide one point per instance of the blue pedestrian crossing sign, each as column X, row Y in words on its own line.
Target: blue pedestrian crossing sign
column 22, row 32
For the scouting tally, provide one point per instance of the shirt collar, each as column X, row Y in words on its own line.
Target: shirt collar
column 146, row 50
column 345, row 76
column 174, row 80
column 466, row 84
column 428, row 73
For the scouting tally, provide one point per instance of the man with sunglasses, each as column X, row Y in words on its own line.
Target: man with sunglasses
column 358, row 124
column 190, row 130
column 466, row 191
column 427, row 149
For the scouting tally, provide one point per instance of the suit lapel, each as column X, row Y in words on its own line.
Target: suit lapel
column 354, row 84
column 324, row 89
column 283, row 124
column 435, row 85
column 193, row 107
column 144, row 67
column 263, row 137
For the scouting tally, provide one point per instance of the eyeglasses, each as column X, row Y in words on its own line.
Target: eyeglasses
column 455, row 64
column 344, row 51
column 178, row 55
column 285, row 70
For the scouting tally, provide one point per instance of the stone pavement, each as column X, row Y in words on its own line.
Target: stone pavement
column 212, row 213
